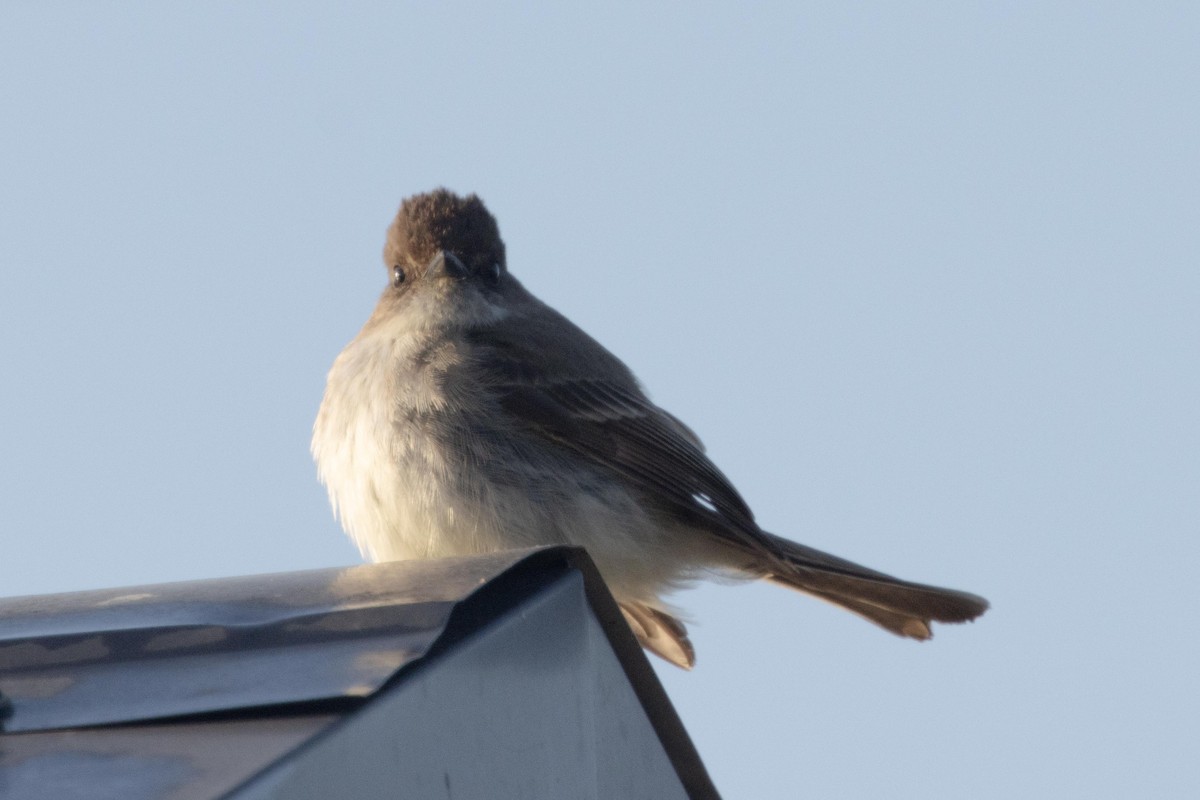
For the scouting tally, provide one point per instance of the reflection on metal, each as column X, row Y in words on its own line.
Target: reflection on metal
column 504, row 675
column 91, row 658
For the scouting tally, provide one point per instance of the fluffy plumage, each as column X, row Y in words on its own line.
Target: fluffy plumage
column 441, row 220
column 467, row 416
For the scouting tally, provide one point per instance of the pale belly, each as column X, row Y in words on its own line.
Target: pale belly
column 409, row 481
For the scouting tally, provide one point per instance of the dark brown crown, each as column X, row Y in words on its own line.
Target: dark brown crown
column 441, row 220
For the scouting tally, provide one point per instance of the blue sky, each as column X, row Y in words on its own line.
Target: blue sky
column 923, row 277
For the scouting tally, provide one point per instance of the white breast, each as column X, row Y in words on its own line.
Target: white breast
column 401, row 495
column 380, row 477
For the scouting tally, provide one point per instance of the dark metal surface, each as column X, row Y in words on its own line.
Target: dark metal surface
column 182, row 691
column 535, row 706
column 159, row 761
column 125, row 655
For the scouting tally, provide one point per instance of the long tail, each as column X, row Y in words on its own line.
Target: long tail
column 904, row 608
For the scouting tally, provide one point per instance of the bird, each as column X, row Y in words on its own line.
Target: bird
column 469, row 417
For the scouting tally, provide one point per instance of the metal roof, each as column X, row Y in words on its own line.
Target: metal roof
column 150, row 652
column 156, row 672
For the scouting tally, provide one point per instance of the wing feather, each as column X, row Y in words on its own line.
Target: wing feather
column 597, row 410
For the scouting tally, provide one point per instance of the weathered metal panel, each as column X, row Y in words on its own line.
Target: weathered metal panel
column 536, row 706
column 164, row 761
column 506, row 675
column 123, row 655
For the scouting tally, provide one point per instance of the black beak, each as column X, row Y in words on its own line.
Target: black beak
column 448, row 264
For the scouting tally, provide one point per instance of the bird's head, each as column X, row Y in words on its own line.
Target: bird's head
column 445, row 262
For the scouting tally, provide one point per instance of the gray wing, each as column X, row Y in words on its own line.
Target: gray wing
column 599, row 412
column 554, row 381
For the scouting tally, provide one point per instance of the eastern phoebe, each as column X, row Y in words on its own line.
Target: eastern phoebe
column 467, row 417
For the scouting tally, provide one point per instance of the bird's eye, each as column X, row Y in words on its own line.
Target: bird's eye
column 493, row 272
column 397, row 275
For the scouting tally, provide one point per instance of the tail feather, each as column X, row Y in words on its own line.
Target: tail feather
column 897, row 622
column 902, row 607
